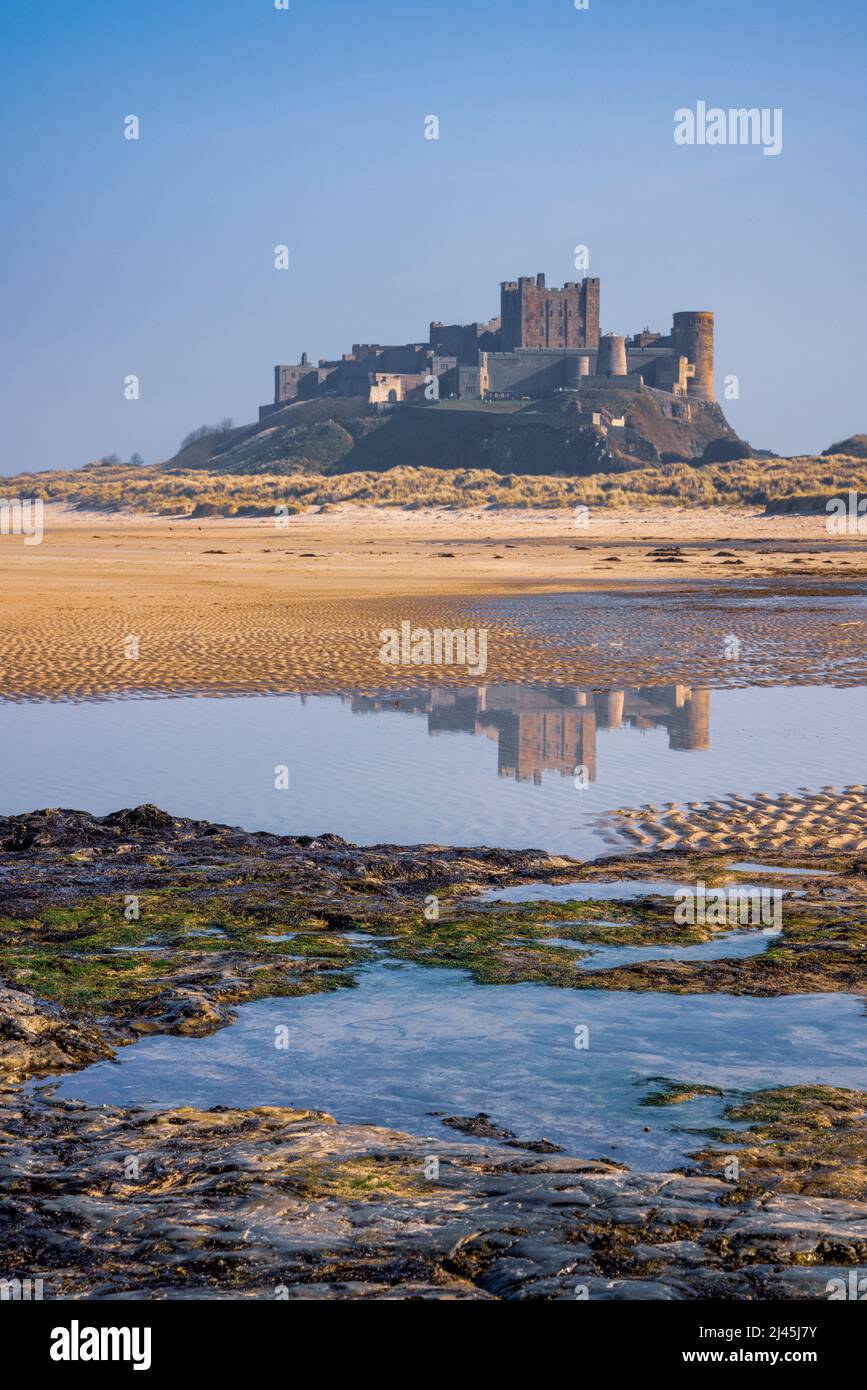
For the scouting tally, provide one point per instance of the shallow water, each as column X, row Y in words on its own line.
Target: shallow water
column 409, row 1040
column 592, row 890
column 725, row 946
column 617, row 890
column 748, row 867
column 492, row 765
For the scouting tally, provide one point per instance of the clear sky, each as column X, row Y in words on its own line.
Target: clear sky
column 306, row 127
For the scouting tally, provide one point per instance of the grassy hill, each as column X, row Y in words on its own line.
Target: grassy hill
column 310, row 436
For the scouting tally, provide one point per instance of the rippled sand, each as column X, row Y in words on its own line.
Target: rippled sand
column 833, row 819
column 232, row 606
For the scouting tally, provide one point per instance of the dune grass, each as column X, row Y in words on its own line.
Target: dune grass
column 779, row 483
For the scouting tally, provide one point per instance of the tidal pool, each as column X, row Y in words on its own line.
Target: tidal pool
column 410, row 1040
column 619, row 890
column 725, row 946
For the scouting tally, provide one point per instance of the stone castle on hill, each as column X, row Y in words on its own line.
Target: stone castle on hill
column 545, row 340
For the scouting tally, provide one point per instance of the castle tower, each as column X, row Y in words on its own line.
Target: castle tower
column 536, row 315
column 690, row 727
column 609, row 708
column 611, row 357
column 692, row 337
column 574, row 367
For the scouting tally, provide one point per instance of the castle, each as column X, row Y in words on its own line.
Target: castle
column 545, row 340
column 541, row 729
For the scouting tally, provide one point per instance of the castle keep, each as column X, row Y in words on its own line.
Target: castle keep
column 545, row 340
column 533, row 316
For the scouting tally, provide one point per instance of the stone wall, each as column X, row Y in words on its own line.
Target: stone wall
column 465, row 340
column 541, row 373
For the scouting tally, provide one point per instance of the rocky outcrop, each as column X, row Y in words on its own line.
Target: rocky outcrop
column 38, row 1038
column 281, row 1203
column 275, row 1203
column 108, row 849
column 345, row 435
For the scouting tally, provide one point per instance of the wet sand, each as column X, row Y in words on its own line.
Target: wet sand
column 829, row 820
column 242, row 605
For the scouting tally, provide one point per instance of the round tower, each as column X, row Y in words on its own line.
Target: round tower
column 692, row 338
column 574, row 368
column 611, row 356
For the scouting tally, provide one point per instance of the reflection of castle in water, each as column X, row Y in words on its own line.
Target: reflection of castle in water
column 551, row 728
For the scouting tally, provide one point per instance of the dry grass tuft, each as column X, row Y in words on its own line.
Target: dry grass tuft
column 168, row 492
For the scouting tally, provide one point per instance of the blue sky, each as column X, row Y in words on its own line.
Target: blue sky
column 305, row 127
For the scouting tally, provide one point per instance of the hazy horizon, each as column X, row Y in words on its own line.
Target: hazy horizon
column 305, row 127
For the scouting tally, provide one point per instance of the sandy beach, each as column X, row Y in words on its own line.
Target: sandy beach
column 223, row 606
